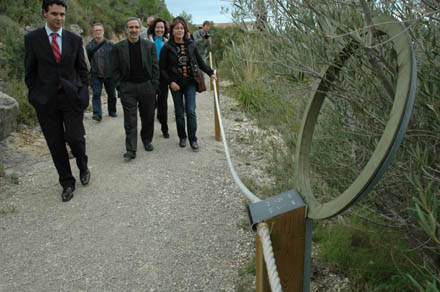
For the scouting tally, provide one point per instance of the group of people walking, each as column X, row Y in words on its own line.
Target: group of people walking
column 141, row 69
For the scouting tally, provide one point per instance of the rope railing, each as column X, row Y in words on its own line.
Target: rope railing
column 262, row 228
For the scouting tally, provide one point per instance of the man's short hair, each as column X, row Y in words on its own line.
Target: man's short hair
column 133, row 18
column 47, row 3
column 151, row 16
column 98, row 24
column 206, row 22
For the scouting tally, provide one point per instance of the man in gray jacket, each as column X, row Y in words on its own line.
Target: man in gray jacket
column 203, row 40
column 99, row 54
column 136, row 74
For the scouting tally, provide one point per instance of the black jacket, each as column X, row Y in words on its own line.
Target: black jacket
column 107, row 47
column 43, row 73
column 121, row 63
column 168, row 62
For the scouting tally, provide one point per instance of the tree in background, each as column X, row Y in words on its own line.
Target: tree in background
column 187, row 17
column 153, row 7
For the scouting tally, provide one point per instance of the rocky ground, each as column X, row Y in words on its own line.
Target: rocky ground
column 172, row 220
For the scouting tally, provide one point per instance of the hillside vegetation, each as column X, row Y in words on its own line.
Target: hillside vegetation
column 390, row 241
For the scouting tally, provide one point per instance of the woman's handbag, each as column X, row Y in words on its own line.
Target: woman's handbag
column 201, row 87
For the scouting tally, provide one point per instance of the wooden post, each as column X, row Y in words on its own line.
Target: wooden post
column 210, row 64
column 216, row 121
column 288, row 243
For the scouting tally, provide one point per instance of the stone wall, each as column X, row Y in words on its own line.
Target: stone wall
column 8, row 115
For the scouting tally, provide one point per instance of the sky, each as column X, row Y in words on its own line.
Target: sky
column 200, row 10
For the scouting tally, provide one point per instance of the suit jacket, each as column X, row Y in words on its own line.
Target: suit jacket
column 121, row 63
column 43, row 73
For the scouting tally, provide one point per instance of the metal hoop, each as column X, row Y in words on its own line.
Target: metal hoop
column 391, row 137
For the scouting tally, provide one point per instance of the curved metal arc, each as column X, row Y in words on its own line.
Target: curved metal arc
column 389, row 142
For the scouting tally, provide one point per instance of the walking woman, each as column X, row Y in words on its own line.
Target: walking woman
column 157, row 33
column 179, row 64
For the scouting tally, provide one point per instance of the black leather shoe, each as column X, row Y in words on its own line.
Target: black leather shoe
column 85, row 177
column 67, row 194
column 166, row 135
column 194, row 145
column 149, row 147
column 97, row 118
column 113, row 115
column 182, row 142
column 130, row 155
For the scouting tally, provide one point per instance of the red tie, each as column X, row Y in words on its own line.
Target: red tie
column 55, row 47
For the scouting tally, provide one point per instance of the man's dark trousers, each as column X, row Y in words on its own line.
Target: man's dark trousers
column 64, row 124
column 162, row 106
column 131, row 95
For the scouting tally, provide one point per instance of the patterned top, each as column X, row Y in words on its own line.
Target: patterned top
column 183, row 63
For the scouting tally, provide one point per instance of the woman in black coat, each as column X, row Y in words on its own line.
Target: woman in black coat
column 179, row 64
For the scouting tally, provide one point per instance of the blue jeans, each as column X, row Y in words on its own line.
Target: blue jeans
column 185, row 101
column 97, row 90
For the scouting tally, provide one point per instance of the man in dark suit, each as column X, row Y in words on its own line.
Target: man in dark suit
column 56, row 76
column 136, row 74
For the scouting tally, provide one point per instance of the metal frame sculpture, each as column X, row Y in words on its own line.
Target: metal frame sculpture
column 391, row 138
column 291, row 224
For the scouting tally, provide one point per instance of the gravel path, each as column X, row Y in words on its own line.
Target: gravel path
column 170, row 220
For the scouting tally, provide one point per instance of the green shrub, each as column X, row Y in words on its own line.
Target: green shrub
column 26, row 112
column 374, row 259
column 222, row 39
column 12, row 51
column 25, row 12
column 246, row 274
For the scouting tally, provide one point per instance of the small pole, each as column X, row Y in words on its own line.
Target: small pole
column 216, row 120
column 288, row 243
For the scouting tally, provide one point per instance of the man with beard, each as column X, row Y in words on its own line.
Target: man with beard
column 136, row 75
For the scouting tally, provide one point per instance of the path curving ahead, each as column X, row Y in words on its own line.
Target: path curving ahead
column 170, row 220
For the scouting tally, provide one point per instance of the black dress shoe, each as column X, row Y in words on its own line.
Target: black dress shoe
column 166, row 135
column 130, row 155
column 113, row 115
column 67, row 194
column 85, row 177
column 97, row 118
column 149, row 147
column 182, row 142
column 194, row 145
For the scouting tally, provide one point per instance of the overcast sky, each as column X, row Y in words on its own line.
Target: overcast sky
column 200, row 10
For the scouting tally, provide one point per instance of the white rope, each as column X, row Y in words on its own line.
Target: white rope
column 263, row 230
column 243, row 188
column 264, row 234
